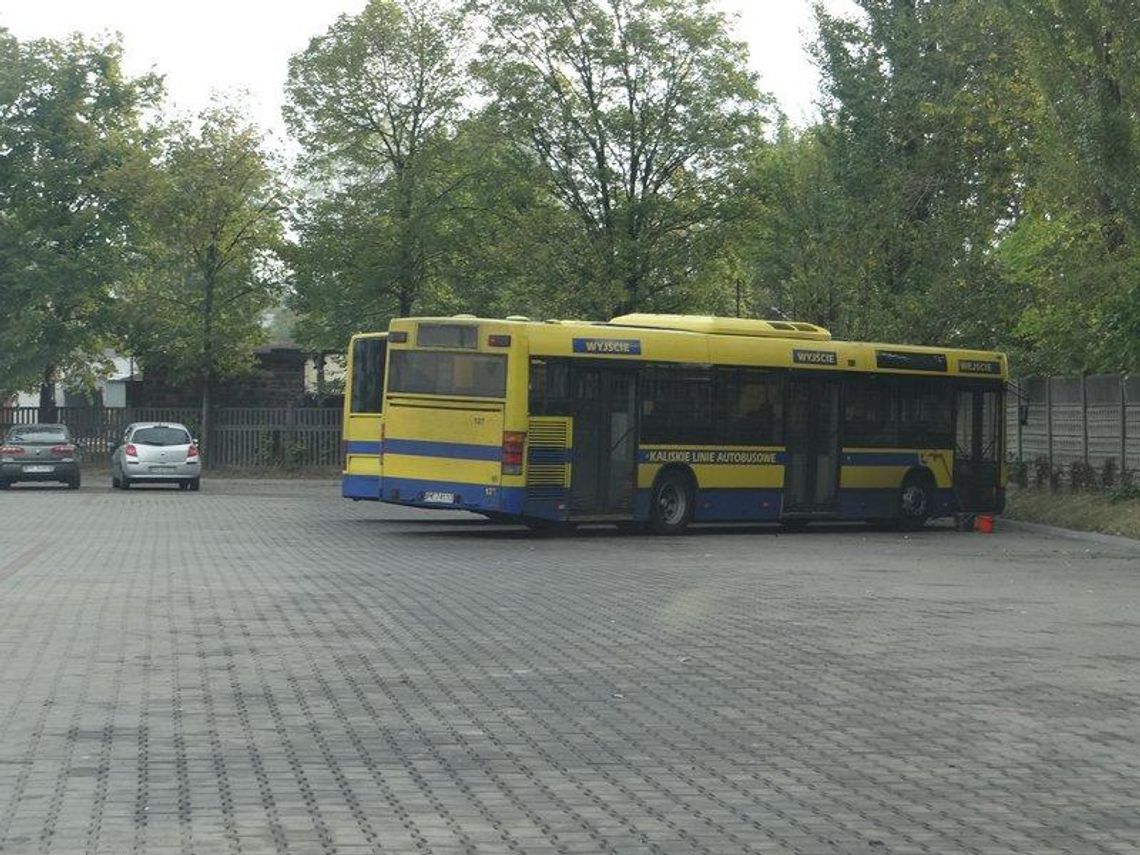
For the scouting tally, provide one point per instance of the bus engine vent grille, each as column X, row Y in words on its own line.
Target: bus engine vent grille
column 548, row 456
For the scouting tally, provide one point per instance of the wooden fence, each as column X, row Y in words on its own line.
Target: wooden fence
column 286, row 437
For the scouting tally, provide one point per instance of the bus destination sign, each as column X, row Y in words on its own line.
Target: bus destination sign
column 979, row 366
column 608, row 346
column 814, row 357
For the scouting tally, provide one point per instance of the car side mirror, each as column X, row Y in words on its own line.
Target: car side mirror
column 1023, row 414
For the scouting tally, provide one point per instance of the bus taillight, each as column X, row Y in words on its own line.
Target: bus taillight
column 513, row 443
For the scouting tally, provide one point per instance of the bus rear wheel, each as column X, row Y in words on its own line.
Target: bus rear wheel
column 671, row 506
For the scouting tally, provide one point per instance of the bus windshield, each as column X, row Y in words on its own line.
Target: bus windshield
column 472, row 375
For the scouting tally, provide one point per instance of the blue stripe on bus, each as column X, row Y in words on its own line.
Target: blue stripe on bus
column 724, row 504
column 460, row 450
column 360, row 487
column 357, row 446
column 880, row 458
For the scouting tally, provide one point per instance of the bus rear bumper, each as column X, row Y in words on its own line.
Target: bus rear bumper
column 360, row 487
column 456, row 496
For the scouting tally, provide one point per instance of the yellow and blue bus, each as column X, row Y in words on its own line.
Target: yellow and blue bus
column 363, row 423
column 665, row 420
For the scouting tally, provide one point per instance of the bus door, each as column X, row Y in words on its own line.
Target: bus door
column 605, row 440
column 978, row 447
column 363, row 417
column 811, row 471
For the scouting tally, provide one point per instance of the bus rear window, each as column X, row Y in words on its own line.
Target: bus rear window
column 473, row 375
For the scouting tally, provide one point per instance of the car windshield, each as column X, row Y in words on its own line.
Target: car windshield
column 161, row 436
column 38, row 434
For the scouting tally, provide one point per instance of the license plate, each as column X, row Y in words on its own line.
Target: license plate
column 38, row 469
column 439, row 498
column 162, row 469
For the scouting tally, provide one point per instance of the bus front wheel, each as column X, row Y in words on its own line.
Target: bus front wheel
column 671, row 507
column 914, row 502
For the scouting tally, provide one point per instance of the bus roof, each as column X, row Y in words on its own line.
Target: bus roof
column 699, row 339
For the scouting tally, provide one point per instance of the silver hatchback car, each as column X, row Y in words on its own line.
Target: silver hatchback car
column 156, row 453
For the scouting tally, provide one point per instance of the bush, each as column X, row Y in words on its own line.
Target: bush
column 1082, row 476
column 1042, row 472
column 1019, row 473
column 1124, row 493
column 1108, row 473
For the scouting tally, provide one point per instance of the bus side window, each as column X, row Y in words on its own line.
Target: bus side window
column 676, row 405
column 748, row 407
column 871, row 413
column 927, row 412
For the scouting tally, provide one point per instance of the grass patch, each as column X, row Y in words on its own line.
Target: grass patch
column 1077, row 510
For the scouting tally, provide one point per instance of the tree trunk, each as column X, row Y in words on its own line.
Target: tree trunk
column 48, row 411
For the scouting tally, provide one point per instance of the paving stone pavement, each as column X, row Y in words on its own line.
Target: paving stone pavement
column 263, row 667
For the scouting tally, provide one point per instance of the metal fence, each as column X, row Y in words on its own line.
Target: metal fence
column 1076, row 420
column 290, row 437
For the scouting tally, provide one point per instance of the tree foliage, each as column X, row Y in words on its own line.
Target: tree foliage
column 1077, row 249
column 71, row 145
column 208, row 271
column 636, row 110
column 927, row 121
column 374, row 101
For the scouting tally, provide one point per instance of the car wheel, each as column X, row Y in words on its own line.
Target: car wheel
column 4, row 485
column 73, row 484
column 195, row 484
column 124, row 482
column 671, row 506
column 114, row 482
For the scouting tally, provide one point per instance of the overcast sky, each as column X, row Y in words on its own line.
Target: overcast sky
column 236, row 45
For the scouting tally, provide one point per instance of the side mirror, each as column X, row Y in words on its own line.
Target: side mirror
column 1023, row 414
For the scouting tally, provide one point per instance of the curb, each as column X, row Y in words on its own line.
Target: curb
column 1072, row 534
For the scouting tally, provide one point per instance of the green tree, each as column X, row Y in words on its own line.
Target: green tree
column 71, row 147
column 635, row 110
column 790, row 245
column 208, row 272
column 928, row 122
column 373, row 102
column 1076, row 249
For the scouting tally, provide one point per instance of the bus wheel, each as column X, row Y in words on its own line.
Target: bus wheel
column 914, row 502
column 671, row 507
